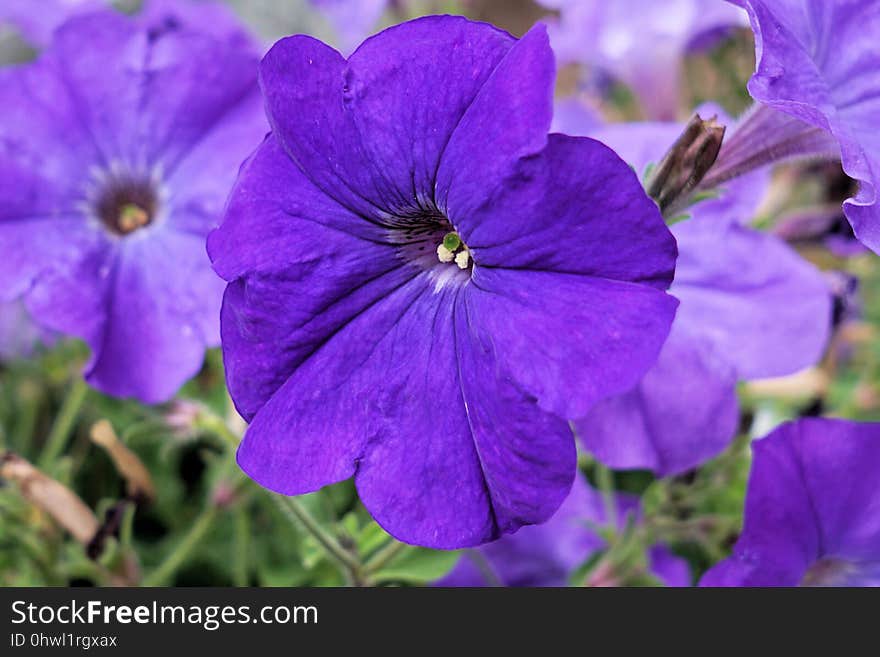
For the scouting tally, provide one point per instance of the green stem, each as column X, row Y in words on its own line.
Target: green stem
column 28, row 399
column 293, row 508
column 163, row 573
column 242, row 547
column 605, row 481
column 217, row 425
column 64, row 423
column 383, row 556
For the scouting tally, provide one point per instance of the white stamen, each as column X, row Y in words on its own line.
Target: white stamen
column 462, row 259
column 444, row 254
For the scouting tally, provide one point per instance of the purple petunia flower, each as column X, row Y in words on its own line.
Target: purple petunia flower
column 750, row 308
column 640, row 43
column 423, row 283
column 811, row 515
column 117, row 149
column 352, row 20
column 819, row 66
column 548, row 554
column 36, row 21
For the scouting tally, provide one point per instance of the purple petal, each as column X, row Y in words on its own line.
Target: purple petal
column 810, row 513
column 570, row 355
column 682, row 413
column 754, row 298
column 149, row 95
column 37, row 24
column 547, row 554
column 437, row 461
column 673, row 571
column 377, row 127
column 819, row 62
column 507, row 121
column 621, row 238
column 40, row 183
column 307, row 266
column 750, row 308
column 575, row 116
column 146, row 308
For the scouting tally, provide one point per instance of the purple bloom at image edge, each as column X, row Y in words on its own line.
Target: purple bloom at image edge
column 751, row 307
column 819, row 63
column 811, row 509
column 117, row 149
column 432, row 276
column 547, row 554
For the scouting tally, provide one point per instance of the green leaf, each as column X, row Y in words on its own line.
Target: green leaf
column 417, row 566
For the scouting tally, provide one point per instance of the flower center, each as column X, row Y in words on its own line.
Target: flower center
column 427, row 239
column 124, row 200
column 452, row 249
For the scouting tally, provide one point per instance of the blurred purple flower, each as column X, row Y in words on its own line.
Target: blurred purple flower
column 640, row 43
column 575, row 116
column 358, row 344
column 117, row 149
column 209, row 16
column 750, row 308
column 352, row 20
column 822, row 224
column 20, row 336
column 819, row 64
column 548, row 554
column 811, row 509
column 36, row 21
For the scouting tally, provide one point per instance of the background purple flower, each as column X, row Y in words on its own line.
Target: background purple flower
column 819, row 63
column 547, row 554
column 640, row 43
column 209, row 16
column 36, row 21
column 20, row 336
column 750, row 308
column 355, row 350
column 117, row 149
column 811, row 509
column 352, row 20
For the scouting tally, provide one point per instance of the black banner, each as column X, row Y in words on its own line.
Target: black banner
column 152, row 621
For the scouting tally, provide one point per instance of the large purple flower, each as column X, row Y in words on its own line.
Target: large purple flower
column 640, row 43
column 750, row 308
column 117, row 149
column 818, row 62
column 548, row 554
column 423, row 284
column 811, row 515
column 36, row 21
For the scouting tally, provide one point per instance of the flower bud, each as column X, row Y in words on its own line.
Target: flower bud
column 685, row 164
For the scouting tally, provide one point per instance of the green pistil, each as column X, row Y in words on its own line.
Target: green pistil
column 451, row 241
